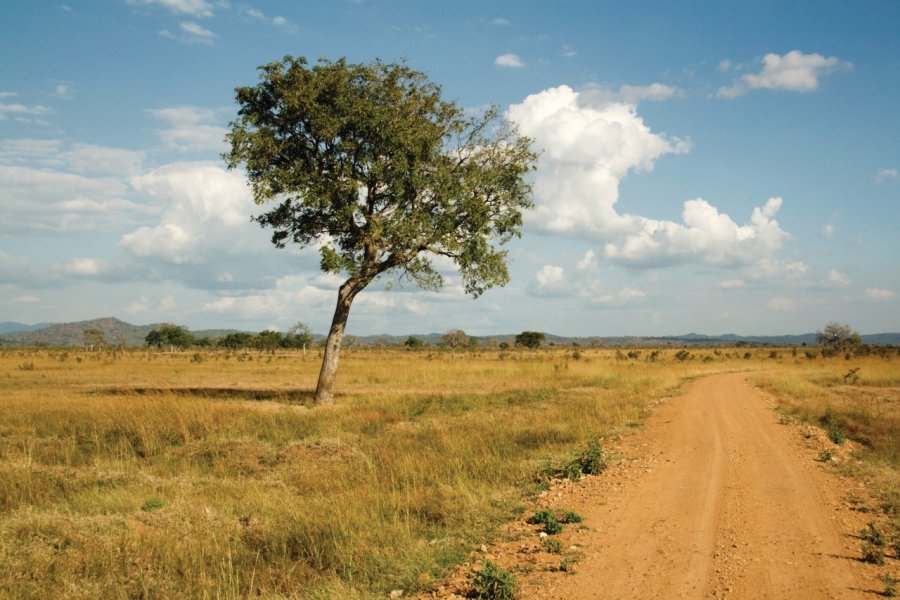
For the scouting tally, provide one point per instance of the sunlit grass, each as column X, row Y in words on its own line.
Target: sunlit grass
column 136, row 474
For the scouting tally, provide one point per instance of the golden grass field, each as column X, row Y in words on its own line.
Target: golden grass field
column 136, row 474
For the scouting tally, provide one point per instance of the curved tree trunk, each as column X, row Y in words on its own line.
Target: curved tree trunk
column 327, row 375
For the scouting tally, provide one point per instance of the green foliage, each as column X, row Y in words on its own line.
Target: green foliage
column 590, row 461
column 833, row 427
column 890, row 586
column 236, row 340
column 871, row 534
column 370, row 160
column 546, row 518
column 492, row 582
column 153, row 504
column 530, row 339
column 413, row 343
column 838, row 337
column 872, row 554
column 367, row 162
column 298, row 336
column 683, row 355
column 455, row 339
column 570, row 516
column 170, row 336
column 552, row 545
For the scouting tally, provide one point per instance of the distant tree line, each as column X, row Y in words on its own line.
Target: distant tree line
column 173, row 337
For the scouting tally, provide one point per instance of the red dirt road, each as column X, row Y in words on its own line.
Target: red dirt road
column 713, row 498
column 728, row 503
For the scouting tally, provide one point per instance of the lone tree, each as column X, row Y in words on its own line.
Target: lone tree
column 530, row 339
column 369, row 164
column 838, row 337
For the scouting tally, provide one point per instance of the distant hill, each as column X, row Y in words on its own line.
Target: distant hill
column 119, row 332
column 116, row 332
column 72, row 334
column 11, row 327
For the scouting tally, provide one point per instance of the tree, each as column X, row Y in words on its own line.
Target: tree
column 236, row 339
column 268, row 340
column 298, row 336
column 173, row 336
column 413, row 343
column 93, row 337
column 836, row 336
column 530, row 339
column 455, row 339
column 370, row 165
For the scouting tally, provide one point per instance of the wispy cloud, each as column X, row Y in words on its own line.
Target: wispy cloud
column 500, row 21
column 794, row 72
column 190, row 129
column 195, row 8
column 19, row 110
column 509, row 61
column 885, row 175
column 879, row 294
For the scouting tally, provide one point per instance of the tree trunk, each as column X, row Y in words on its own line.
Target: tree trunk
column 327, row 375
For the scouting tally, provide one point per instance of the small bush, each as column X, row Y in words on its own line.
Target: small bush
column 29, row 366
column 683, row 355
column 890, row 586
column 570, row 516
column 552, row 545
column 591, row 461
column 548, row 520
column 833, row 428
column 872, row 554
column 871, row 534
column 851, row 377
column 493, row 583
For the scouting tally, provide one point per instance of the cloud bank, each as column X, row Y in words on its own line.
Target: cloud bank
column 589, row 143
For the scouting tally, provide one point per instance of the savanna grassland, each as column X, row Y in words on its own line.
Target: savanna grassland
column 139, row 474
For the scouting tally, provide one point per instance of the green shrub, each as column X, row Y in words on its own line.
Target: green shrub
column 570, row 516
column 590, row 461
column 493, row 583
column 552, row 545
column 546, row 518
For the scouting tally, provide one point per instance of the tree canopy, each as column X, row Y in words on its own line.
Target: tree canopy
column 838, row 336
column 370, row 165
column 530, row 339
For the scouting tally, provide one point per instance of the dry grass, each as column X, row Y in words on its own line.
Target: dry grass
column 860, row 397
column 148, row 475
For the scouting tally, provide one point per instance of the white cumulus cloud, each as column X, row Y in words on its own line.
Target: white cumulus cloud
column 509, row 60
column 589, row 144
column 205, row 208
column 794, row 72
column 550, row 280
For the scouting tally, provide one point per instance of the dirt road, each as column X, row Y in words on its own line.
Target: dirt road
column 717, row 501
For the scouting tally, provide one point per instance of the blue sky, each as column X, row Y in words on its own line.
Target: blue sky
column 706, row 166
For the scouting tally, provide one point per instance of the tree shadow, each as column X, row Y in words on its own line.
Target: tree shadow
column 304, row 397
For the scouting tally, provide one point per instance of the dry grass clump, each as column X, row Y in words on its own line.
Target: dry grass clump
column 143, row 474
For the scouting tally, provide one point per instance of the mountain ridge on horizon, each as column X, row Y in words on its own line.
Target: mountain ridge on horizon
column 120, row 332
